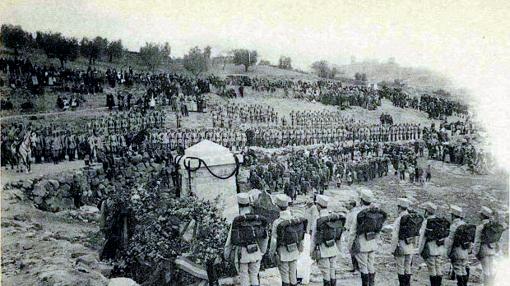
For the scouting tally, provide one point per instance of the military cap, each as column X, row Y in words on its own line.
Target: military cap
column 404, row 203
column 486, row 211
column 366, row 195
column 243, row 199
column 282, row 200
column 429, row 207
column 322, row 200
column 456, row 210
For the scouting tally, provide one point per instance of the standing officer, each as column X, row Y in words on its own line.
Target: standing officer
column 431, row 250
column 287, row 245
column 457, row 254
column 365, row 243
column 247, row 256
column 401, row 249
column 486, row 245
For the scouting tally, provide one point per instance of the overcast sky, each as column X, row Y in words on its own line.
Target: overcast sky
column 467, row 40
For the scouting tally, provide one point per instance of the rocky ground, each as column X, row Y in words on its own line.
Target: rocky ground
column 43, row 248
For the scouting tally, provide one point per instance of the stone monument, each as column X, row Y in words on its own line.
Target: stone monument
column 209, row 171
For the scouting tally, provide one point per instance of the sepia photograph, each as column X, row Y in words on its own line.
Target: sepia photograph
column 254, row 143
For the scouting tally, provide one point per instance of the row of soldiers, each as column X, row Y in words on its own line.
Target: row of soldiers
column 415, row 231
column 239, row 113
column 183, row 138
column 319, row 118
column 124, row 121
column 290, row 136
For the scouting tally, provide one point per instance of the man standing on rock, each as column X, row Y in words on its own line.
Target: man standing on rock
column 486, row 245
column 287, row 238
column 247, row 241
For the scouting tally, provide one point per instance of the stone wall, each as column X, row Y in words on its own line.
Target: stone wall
column 86, row 186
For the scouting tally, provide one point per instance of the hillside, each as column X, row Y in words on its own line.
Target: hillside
column 411, row 76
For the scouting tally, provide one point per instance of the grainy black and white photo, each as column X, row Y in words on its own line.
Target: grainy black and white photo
column 254, row 143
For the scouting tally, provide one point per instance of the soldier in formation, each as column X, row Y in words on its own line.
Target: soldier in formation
column 287, row 238
column 247, row 247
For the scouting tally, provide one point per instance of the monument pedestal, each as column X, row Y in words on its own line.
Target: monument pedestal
column 209, row 172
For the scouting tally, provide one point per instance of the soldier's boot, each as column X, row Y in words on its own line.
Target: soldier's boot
column 364, row 279
column 401, row 280
column 285, row 284
column 371, row 279
column 326, row 283
column 439, row 280
column 460, row 280
column 333, row 282
column 408, row 279
column 433, row 280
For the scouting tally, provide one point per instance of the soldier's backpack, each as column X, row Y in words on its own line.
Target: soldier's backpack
column 248, row 229
column 437, row 229
column 491, row 232
column 329, row 229
column 370, row 222
column 464, row 236
column 291, row 231
column 410, row 225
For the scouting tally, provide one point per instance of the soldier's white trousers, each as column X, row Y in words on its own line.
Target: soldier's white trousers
column 459, row 266
column 434, row 265
column 487, row 269
column 366, row 262
column 248, row 273
column 404, row 264
column 328, row 267
column 288, row 271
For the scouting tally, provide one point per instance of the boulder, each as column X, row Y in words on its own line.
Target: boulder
column 88, row 259
column 40, row 189
column 121, row 281
column 55, row 204
column 54, row 183
column 27, row 184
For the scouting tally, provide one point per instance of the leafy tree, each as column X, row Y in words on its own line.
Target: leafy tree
column 153, row 54
column 93, row 49
column 333, row 73
column 195, row 61
column 264, row 63
column 321, row 68
column 245, row 57
column 14, row 37
column 57, row 46
column 114, row 50
column 285, row 63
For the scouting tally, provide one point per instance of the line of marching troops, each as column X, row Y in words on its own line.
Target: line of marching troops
column 416, row 230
